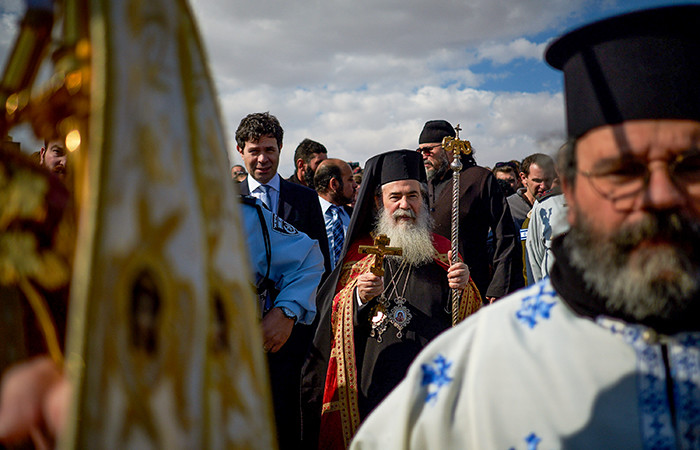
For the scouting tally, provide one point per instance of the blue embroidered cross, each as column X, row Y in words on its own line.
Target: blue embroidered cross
column 534, row 306
column 435, row 374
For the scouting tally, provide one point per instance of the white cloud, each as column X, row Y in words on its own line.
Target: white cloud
column 10, row 11
column 363, row 76
column 299, row 43
column 358, row 125
column 501, row 53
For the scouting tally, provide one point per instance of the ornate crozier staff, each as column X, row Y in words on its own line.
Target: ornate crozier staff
column 458, row 147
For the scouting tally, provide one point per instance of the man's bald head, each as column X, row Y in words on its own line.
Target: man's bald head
column 334, row 181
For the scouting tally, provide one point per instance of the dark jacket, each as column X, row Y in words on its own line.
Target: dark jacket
column 519, row 207
column 294, row 179
column 482, row 206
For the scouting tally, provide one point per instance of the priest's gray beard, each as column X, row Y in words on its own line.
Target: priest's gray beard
column 414, row 238
column 635, row 278
column 441, row 166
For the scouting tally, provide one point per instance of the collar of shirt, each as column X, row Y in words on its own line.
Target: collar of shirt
column 328, row 215
column 274, row 184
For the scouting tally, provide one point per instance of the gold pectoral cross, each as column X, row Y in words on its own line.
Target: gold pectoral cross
column 379, row 249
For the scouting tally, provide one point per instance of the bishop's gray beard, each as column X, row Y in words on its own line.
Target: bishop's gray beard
column 414, row 238
column 656, row 281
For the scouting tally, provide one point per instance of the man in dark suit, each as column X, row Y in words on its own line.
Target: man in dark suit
column 336, row 187
column 259, row 141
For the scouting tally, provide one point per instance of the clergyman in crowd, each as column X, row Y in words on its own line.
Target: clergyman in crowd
column 379, row 322
column 482, row 206
column 605, row 352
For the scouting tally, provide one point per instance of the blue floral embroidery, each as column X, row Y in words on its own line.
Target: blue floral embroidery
column 435, row 374
column 655, row 416
column 685, row 369
column 532, row 441
column 534, row 306
column 657, row 426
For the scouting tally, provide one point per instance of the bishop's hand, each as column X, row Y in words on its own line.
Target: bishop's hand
column 457, row 274
column 369, row 286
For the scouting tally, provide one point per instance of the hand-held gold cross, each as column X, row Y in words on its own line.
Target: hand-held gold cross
column 379, row 249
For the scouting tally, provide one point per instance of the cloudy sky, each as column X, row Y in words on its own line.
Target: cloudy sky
column 363, row 76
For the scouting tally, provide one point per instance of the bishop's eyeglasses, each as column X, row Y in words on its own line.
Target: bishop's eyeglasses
column 623, row 180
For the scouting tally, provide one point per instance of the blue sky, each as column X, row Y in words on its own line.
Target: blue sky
column 531, row 75
column 363, row 76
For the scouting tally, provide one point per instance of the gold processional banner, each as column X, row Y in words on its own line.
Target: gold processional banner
column 164, row 348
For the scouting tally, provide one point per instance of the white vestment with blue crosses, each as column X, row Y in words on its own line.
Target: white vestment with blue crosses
column 528, row 373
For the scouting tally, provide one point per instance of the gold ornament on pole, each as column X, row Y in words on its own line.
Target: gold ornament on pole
column 457, row 147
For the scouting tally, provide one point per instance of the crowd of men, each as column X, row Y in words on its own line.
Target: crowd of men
column 598, row 254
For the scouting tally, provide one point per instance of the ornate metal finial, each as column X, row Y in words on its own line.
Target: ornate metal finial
column 458, row 147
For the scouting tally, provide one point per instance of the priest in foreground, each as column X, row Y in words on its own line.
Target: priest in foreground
column 605, row 352
column 383, row 304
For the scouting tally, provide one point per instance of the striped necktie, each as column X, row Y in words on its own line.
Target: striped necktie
column 336, row 233
column 266, row 196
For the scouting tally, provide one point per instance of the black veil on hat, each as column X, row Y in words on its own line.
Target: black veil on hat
column 379, row 170
column 640, row 65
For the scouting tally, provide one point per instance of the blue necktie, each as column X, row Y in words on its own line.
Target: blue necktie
column 266, row 196
column 337, row 234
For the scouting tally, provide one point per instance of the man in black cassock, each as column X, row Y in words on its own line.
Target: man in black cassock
column 482, row 206
column 371, row 326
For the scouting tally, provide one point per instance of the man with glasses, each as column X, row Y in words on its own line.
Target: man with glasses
column 482, row 207
column 606, row 352
column 238, row 173
column 508, row 172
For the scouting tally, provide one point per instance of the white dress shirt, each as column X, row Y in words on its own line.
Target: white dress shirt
column 258, row 193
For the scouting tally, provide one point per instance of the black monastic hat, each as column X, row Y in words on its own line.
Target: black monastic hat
column 435, row 131
column 641, row 65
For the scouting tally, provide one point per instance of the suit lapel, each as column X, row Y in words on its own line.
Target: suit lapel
column 284, row 208
column 244, row 188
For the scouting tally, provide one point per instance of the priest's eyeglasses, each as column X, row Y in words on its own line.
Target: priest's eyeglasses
column 625, row 179
column 429, row 149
